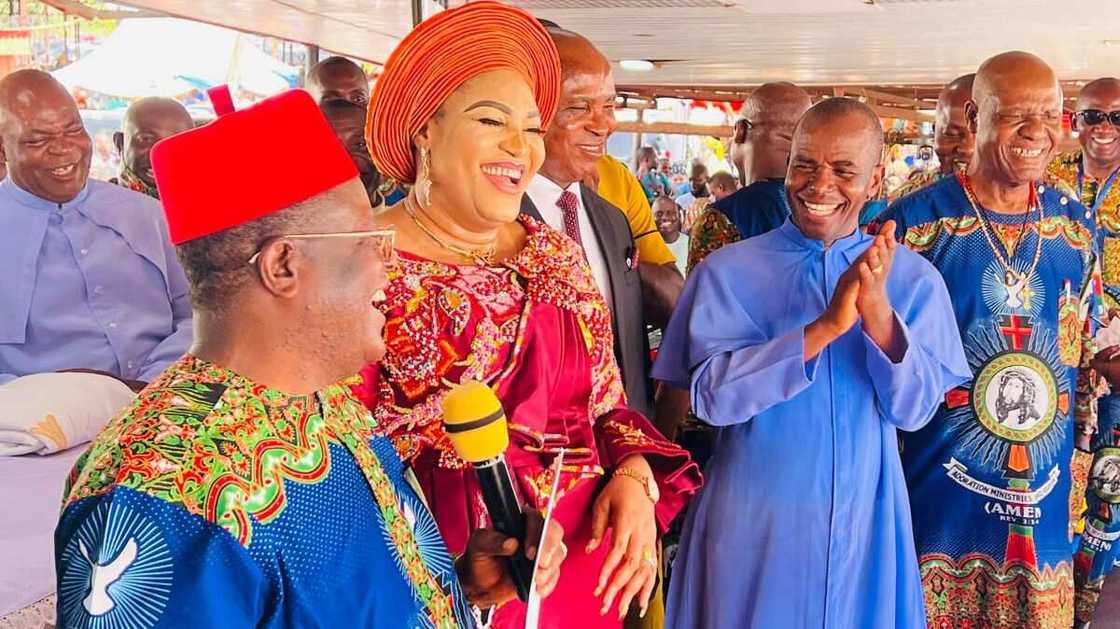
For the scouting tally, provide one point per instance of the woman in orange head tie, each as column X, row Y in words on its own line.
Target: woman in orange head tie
column 482, row 292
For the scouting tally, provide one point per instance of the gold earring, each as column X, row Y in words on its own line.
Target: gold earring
column 424, row 180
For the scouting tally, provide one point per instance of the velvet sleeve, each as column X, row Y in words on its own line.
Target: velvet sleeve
column 623, row 432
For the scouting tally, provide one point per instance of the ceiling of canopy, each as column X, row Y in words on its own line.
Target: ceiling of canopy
column 715, row 46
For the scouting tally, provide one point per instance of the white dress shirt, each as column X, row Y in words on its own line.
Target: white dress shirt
column 544, row 194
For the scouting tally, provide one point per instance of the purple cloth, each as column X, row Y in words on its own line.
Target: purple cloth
column 32, row 490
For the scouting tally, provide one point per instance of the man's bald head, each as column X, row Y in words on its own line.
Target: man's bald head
column 338, row 78
column 1016, row 114
column 722, row 185
column 577, row 137
column 1108, row 88
column 44, row 141
column 956, row 92
column 146, row 122
column 835, row 167
column 577, row 54
column 1016, row 68
column 1098, row 136
column 953, row 141
column 850, row 114
column 781, row 98
column 771, row 111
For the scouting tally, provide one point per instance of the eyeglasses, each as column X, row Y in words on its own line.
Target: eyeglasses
column 1094, row 117
column 386, row 242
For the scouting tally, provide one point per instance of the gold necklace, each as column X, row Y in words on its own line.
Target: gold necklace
column 481, row 257
column 1014, row 281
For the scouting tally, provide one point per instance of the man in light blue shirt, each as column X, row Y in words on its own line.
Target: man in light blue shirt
column 695, row 188
column 91, row 281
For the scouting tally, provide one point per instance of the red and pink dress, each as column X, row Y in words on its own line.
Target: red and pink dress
column 537, row 330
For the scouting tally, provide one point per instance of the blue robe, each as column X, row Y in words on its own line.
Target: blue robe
column 803, row 520
column 757, row 208
column 990, row 476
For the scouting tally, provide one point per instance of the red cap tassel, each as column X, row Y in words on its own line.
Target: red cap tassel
column 221, row 99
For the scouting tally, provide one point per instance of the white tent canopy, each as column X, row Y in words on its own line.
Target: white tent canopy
column 737, row 42
column 169, row 57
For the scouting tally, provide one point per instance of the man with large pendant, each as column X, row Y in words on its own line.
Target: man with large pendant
column 992, row 478
column 1090, row 174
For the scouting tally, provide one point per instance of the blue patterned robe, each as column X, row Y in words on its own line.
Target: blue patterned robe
column 1100, row 540
column 213, row 501
column 990, row 477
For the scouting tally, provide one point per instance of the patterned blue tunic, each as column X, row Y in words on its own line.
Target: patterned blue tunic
column 990, row 476
column 216, row 502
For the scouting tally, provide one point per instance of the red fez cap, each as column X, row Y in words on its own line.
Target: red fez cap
column 443, row 52
column 247, row 164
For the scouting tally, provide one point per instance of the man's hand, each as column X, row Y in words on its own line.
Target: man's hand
column 872, row 302
column 838, row 318
column 661, row 287
column 629, row 571
column 670, row 408
column 484, row 569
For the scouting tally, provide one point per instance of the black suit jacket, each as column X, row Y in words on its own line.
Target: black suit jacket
column 631, row 345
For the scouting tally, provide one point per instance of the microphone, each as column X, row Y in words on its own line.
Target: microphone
column 475, row 423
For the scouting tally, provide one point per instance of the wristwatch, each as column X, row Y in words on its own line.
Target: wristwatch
column 652, row 492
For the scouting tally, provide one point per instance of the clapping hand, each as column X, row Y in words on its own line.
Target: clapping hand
column 861, row 293
column 873, row 267
column 873, row 304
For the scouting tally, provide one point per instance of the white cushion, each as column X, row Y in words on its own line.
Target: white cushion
column 47, row 412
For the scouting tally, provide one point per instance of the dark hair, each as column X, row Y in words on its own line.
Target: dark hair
column 217, row 266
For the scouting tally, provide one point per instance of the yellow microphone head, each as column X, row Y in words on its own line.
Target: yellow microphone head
column 475, row 422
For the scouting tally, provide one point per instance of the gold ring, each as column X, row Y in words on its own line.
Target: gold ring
column 877, row 269
column 649, row 558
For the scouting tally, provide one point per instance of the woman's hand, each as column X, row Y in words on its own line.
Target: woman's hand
column 630, row 569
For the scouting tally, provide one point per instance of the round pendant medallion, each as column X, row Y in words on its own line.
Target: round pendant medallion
column 1015, row 396
column 1104, row 479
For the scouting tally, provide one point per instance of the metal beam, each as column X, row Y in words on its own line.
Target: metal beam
column 901, row 114
column 887, row 98
column 677, row 128
column 694, row 93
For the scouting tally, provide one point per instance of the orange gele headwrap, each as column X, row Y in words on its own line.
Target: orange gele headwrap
column 443, row 52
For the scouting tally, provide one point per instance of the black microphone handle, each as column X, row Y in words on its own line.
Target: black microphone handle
column 507, row 517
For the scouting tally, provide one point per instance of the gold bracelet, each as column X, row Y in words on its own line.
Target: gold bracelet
column 646, row 482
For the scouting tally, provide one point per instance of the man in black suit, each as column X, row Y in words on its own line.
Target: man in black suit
column 574, row 142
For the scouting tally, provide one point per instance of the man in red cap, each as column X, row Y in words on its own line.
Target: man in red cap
column 247, row 486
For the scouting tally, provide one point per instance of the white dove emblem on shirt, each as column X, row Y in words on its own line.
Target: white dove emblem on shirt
column 98, row 601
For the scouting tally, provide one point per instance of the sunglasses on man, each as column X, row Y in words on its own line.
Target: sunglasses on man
column 1094, row 117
